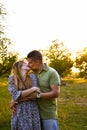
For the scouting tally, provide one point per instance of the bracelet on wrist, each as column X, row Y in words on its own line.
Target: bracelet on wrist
column 38, row 95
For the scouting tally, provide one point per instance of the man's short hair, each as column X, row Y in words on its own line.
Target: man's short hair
column 35, row 55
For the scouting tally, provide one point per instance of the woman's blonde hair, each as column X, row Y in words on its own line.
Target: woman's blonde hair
column 16, row 72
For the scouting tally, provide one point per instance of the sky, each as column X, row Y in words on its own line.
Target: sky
column 34, row 24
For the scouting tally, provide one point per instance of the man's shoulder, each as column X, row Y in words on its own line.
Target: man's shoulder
column 51, row 69
column 47, row 67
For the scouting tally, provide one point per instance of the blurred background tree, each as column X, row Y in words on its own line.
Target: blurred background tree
column 81, row 62
column 59, row 58
column 7, row 55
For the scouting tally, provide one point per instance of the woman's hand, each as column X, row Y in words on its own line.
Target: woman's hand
column 35, row 89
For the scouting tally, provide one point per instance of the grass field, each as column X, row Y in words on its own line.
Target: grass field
column 72, row 105
column 5, row 112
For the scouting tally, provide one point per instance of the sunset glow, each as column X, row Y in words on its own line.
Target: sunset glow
column 35, row 24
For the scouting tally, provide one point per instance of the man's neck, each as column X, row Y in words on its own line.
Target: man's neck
column 40, row 68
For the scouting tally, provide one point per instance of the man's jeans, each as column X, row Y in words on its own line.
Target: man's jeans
column 50, row 124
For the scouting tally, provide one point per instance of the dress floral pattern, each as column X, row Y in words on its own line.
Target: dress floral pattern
column 27, row 115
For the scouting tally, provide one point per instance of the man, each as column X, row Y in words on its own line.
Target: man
column 49, row 83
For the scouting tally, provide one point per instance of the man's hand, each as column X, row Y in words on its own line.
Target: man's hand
column 13, row 106
column 33, row 95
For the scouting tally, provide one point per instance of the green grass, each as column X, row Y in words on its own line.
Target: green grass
column 72, row 105
column 5, row 112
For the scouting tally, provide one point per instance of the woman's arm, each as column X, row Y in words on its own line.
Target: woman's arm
column 29, row 91
column 17, row 94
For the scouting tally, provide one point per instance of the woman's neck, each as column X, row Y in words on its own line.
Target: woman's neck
column 40, row 68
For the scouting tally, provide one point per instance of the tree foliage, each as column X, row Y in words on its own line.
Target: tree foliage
column 3, row 13
column 81, row 62
column 59, row 58
column 7, row 55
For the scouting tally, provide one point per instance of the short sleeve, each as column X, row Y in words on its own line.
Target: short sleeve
column 55, row 78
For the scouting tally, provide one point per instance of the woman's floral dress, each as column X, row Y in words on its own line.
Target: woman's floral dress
column 27, row 115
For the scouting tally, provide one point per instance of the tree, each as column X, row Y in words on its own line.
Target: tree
column 81, row 62
column 7, row 58
column 59, row 58
column 7, row 55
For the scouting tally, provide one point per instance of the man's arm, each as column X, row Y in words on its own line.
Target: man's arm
column 54, row 93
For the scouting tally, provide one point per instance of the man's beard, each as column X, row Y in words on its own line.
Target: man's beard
column 35, row 70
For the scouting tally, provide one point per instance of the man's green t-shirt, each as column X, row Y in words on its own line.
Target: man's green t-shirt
column 48, row 77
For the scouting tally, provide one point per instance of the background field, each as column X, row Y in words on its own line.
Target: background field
column 72, row 105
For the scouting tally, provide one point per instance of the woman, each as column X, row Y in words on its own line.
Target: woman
column 21, row 85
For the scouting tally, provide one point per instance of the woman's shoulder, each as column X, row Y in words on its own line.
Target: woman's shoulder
column 11, row 78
